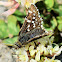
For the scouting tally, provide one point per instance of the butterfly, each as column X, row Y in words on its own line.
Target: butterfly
column 32, row 27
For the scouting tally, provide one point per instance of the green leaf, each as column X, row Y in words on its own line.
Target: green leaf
column 54, row 23
column 59, row 23
column 20, row 16
column 59, row 19
column 48, row 29
column 58, row 11
column 3, row 30
column 17, row 12
column 60, row 7
column 20, row 19
column 49, row 3
column 60, row 27
column 9, row 28
column 10, row 41
column 56, row 5
column 12, row 27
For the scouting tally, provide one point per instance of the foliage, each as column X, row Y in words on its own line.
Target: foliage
column 9, row 30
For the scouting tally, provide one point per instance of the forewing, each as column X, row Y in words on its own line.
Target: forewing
column 32, row 20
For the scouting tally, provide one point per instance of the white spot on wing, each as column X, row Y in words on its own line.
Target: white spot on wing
column 33, row 10
column 39, row 16
column 36, row 7
column 41, row 26
column 33, row 17
column 30, row 11
column 36, row 19
column 34, row 25
column 38, row 13
column 28, row 21
column 26, row 18
column 28, row 26
column 28, row 29
column 37, row 10
column 32, row 21
column 41, row 22
column 34, row 14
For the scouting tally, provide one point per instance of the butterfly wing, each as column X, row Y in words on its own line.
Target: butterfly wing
column 32, row 27
column 32, row 20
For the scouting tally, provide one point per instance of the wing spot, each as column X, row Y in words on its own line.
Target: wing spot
column 30, row 11
column 34, row 14
column 28, row 29
column 32, row 21
column 41, row 22
column 28, row 21
column 38, row 13
column 37, row 10
column 36, row 19
column 41, row 26
column 25, row 18
column 33, row 10
column 34, row 25
column 28, row 26
column 39, row 16
column 33, row 17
